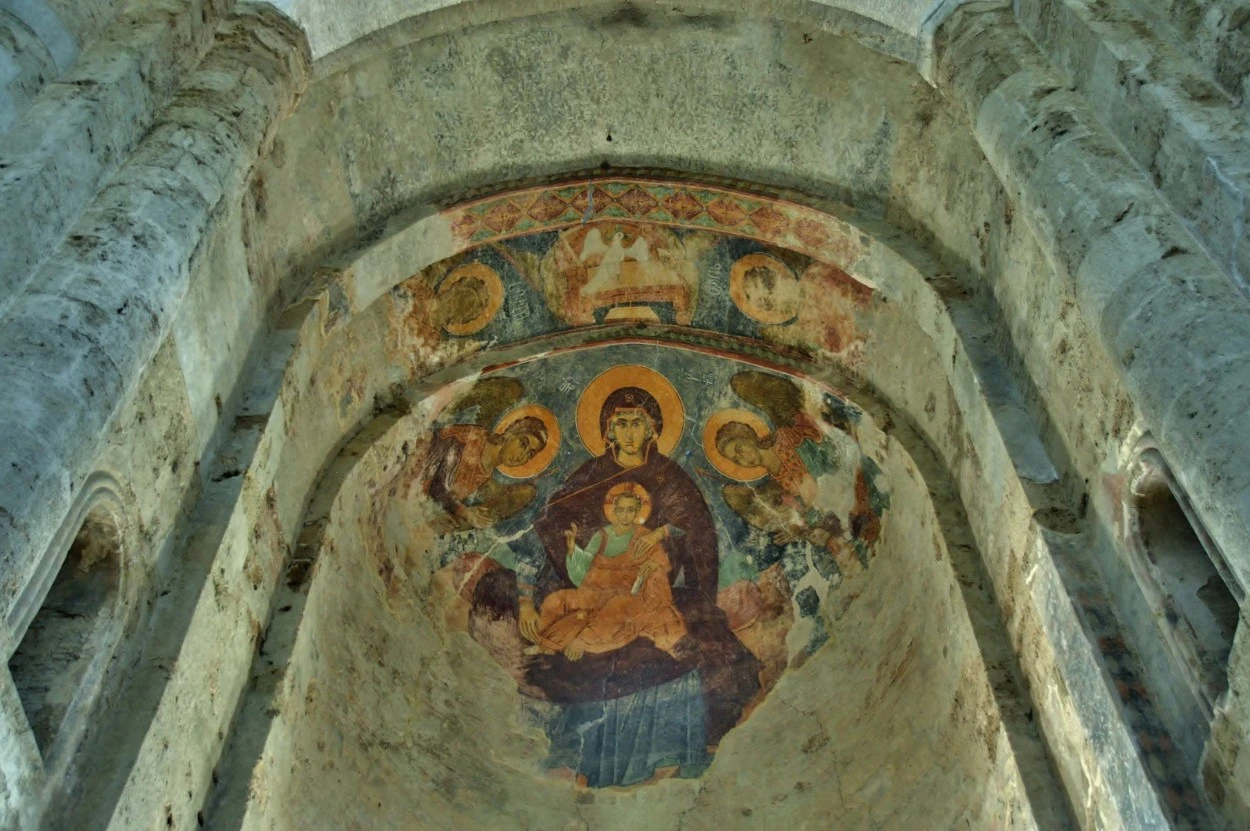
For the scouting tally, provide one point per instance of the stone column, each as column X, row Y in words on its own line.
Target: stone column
column 1176, row 327
column 75, row 343
column 84, row 120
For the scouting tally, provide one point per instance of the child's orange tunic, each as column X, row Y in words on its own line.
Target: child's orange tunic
column 604, row 613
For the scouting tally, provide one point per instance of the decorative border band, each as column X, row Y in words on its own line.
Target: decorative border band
column 675, row 204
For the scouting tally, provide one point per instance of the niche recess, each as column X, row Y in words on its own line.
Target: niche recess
column 60, row 661
column 1183, row 575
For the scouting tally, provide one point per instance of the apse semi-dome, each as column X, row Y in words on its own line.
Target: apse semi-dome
column 620, row 414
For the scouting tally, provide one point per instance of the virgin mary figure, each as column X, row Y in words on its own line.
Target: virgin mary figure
column 639, row 712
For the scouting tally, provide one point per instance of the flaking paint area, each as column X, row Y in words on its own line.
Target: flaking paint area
column 393, row 718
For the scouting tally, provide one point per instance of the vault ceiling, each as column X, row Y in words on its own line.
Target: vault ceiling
column 332, row 25
column 622, row 552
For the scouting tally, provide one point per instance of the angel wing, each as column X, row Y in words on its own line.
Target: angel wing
column 506, row 501
column 638, row 251
column 762, row 506
column 780, row 397
column 500, row 501
column 870, row 503
column 592, row 246
column 492, row 397
column 837, row 413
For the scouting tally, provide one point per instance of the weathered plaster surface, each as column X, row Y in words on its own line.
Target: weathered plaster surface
column 1040, row 305
column 1159, row 101
column 330, row 26
column 1041, row 314
column 85, row 125
column 420, row 727
column 112, row 296
column 876, row 266
column 1131, row 224
column 38, row 41
column 24, row 63
column 1114, row 235
column 1214, row 32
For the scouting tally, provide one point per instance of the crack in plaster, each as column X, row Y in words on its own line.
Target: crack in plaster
column 1239, row 223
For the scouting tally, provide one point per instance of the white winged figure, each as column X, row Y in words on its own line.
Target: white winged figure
column 608, row 275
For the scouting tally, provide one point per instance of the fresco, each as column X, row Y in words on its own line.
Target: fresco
column 621, row 251
column 644, row 538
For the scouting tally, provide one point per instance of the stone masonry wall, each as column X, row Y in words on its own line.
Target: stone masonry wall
column 1068, row 210
column 101, row 355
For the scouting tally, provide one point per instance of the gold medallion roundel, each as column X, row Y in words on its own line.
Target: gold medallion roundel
column 764, row 289
column 469, row 298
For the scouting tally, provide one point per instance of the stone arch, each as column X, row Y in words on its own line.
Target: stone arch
column 101, row 503
column 838, row 166
column 339, row 36
column 1084, row 239
column 971, row 388
column 1186, row 578
column 347, row 303
column 300, row 635
column 67, row 628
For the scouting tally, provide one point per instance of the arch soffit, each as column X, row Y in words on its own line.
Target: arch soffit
column 346, row 315
column 340, row 36
column 882, row 276
column 100, row 492
column 434, row 235
column 633, row 199
column 852, row 150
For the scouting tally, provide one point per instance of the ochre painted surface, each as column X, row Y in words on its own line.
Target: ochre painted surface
column 639, row 574
column 799, row 650
column 622, row 251
column 674, row 204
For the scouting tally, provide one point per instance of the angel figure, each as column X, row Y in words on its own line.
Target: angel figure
column 622, row 267
column 794, row 455
column 613, row 255
column 458, row 473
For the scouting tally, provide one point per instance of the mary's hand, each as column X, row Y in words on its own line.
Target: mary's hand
column 528, row 621
column 641, row 546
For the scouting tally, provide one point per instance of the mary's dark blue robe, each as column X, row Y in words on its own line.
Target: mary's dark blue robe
column 631, row 710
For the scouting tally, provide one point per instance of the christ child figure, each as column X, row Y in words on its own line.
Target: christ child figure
column 621, row 580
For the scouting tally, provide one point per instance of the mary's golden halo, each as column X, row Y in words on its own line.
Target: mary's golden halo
column 609, row 381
